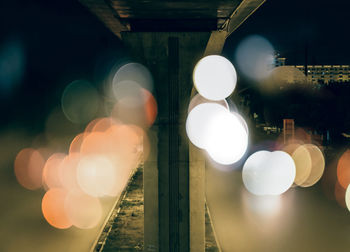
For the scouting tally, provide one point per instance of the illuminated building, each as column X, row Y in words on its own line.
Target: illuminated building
column 280, row 61
column 326, row 73
column 321, row 73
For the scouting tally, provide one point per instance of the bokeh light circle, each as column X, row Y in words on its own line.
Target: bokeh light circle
column 80, row 101
column 138, row 107
column 52, row 171
column 318, row 165
column 28, row 168
column 76, row 143
column 268, row 173
column 134, row 73
column 343, row 169
column 82, row 210
column 96, row 175
column 214, row 77
column 199, row 120
column 255, row 57
column 228, row 138
column 52, row 207
column 68, row 171
column 303, row 164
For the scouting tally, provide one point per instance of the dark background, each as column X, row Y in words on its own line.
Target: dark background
column 44, row 45
column 291, row 25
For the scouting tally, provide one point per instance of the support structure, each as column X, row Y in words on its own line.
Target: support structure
column 174, row 174
column 174, row 187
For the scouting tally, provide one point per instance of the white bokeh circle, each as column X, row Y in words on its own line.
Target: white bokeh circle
column 268, row 173
column 214, row 77
column 199, row 120
column 228, row 138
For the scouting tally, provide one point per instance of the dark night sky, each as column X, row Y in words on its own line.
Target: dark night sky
column 58, row 42
column 61, row 41
column 290, row 25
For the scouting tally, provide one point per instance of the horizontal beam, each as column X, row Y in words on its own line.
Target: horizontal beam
column 106, row 14
column 243, row 11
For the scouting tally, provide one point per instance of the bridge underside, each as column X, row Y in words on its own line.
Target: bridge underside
column 169, row 37
column 167, row 15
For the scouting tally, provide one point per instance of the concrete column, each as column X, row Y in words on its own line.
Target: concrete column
column 197, row 199
column 173, row 186
column 150, row 178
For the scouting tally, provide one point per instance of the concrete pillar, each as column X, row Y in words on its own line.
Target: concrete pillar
column 214, row 45
column 173, row 186
column 150, row 178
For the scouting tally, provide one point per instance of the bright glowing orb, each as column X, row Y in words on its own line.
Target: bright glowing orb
column 228, row 138
column 268, row 173
column 96, row 175
column 214, row 77
column 52, row 207
column 198, row 121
